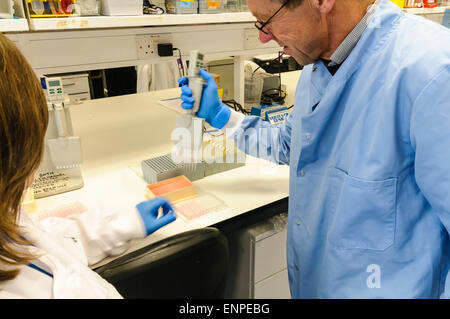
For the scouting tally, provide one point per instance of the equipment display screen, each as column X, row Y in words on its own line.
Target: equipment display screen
column 54, row 83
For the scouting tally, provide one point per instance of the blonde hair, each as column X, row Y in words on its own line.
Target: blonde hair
column 23, row 122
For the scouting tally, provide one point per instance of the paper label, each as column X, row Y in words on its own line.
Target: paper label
column 186, row 3
column 268, row 109
column 277, row 118
column 213, row 4
column 49, row 182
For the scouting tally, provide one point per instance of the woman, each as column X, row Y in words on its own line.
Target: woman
column 50, row 260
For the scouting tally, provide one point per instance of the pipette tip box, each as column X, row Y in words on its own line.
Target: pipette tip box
column 163, row 167
column 175, row 189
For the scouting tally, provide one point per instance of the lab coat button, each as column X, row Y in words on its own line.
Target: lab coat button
column 297, row 222
column 308, row 136
column 302, row 173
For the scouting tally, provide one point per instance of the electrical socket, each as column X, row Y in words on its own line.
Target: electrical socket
column 147, row 44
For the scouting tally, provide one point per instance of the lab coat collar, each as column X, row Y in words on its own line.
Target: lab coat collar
column 320, row 78
column 382, row 25
column 318, row 86
column 325, row 86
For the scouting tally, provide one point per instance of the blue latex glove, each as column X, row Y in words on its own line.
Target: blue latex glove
column 149, row 213
column 211, row 108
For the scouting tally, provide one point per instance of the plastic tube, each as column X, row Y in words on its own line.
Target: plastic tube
column 37, row 6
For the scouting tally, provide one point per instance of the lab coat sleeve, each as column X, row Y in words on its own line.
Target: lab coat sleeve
column 99, row 233
column 259, row 138
column 430, row 138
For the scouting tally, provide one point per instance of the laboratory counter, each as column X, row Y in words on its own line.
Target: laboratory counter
column 117, row 133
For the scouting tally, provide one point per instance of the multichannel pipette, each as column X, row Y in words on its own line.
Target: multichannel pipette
column 191, row 142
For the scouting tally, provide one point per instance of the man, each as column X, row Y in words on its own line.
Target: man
column 368, row 144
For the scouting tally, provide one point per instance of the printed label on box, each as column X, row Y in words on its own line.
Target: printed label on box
column 213, row 4
column 277, row 118
column 185, row 4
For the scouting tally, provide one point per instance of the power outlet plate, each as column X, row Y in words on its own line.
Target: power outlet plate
column 147, row 44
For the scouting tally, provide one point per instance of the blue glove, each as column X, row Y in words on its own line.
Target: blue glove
column 211, row 108
column 149, row 213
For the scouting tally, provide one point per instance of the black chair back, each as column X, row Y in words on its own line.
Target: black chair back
column 192, row 264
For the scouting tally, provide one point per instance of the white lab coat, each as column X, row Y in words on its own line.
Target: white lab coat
column 159, row 76
column 66, row 247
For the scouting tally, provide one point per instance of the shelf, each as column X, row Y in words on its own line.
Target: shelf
column 95, row 22
column 13, row 25
column 47, row 24
column 426, row 10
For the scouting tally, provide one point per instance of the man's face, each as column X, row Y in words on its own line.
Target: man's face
column 302, row 31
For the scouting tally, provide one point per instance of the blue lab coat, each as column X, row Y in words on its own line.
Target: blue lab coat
column 369, row 203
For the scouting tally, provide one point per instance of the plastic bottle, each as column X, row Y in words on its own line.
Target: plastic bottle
column 429, row 3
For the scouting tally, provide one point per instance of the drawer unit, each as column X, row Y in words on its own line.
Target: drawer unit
column 273, row 287
column 270, row 255
column 258, row 261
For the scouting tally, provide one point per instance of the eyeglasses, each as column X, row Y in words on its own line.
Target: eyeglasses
column 260, row 25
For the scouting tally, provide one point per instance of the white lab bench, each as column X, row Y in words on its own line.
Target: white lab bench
column 118, row 132
column 13, row 25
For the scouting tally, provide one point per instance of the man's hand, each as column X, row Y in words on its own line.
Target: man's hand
column 211, row 108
